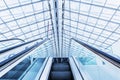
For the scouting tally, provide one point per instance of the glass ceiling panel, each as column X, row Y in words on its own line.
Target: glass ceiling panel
column 95, row 22
column 24, row 19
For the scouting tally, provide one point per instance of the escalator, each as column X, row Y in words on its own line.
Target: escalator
column 60, row 70
column 44, row 69
column 26, row 70
column 17, row 71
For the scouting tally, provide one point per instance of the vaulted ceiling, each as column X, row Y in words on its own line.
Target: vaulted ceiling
column 95, row 22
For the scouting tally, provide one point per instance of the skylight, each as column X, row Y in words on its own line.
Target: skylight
column 95, row 22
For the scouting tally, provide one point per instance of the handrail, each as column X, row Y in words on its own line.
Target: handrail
column 46, row 71
column 12, row 39
column 75, row 70
column 81, row 70
column 19, row 45
column 44, row 67
column 78, row 69
column 8, row 64
column 39, row 72
column 22, row 52
column 115, row 61
column 27, row 70
column 18, row 58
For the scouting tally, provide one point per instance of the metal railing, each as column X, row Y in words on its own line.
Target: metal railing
column 19, row 45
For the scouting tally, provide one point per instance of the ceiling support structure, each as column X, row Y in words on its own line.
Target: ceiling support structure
column 115, row 61
column 53, row 30
column 63, row 4
column 56, row 26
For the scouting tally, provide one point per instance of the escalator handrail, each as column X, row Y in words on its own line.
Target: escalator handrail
column 39, row 74
column 46, row 71
column 78, row 69
column 19, row 45
column 20, row 53
column 44, row 67
column 113, row 60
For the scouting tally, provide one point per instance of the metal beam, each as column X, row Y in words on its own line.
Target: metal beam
column 57, row 25
column 91, row 16
column 54, row 15
column 28, row 25
column 53, row 29
column 115, row 61
column 89, row 25
column 25, row 16
column 62, row 31
column 83, row 36
column 92, row 4
column 22, row 5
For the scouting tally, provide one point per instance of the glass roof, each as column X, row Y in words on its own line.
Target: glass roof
column 95, row 22
column 24, row 19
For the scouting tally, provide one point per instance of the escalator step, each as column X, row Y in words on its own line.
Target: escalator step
column 61, row 75
column 60, row 67
column 61, row 63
